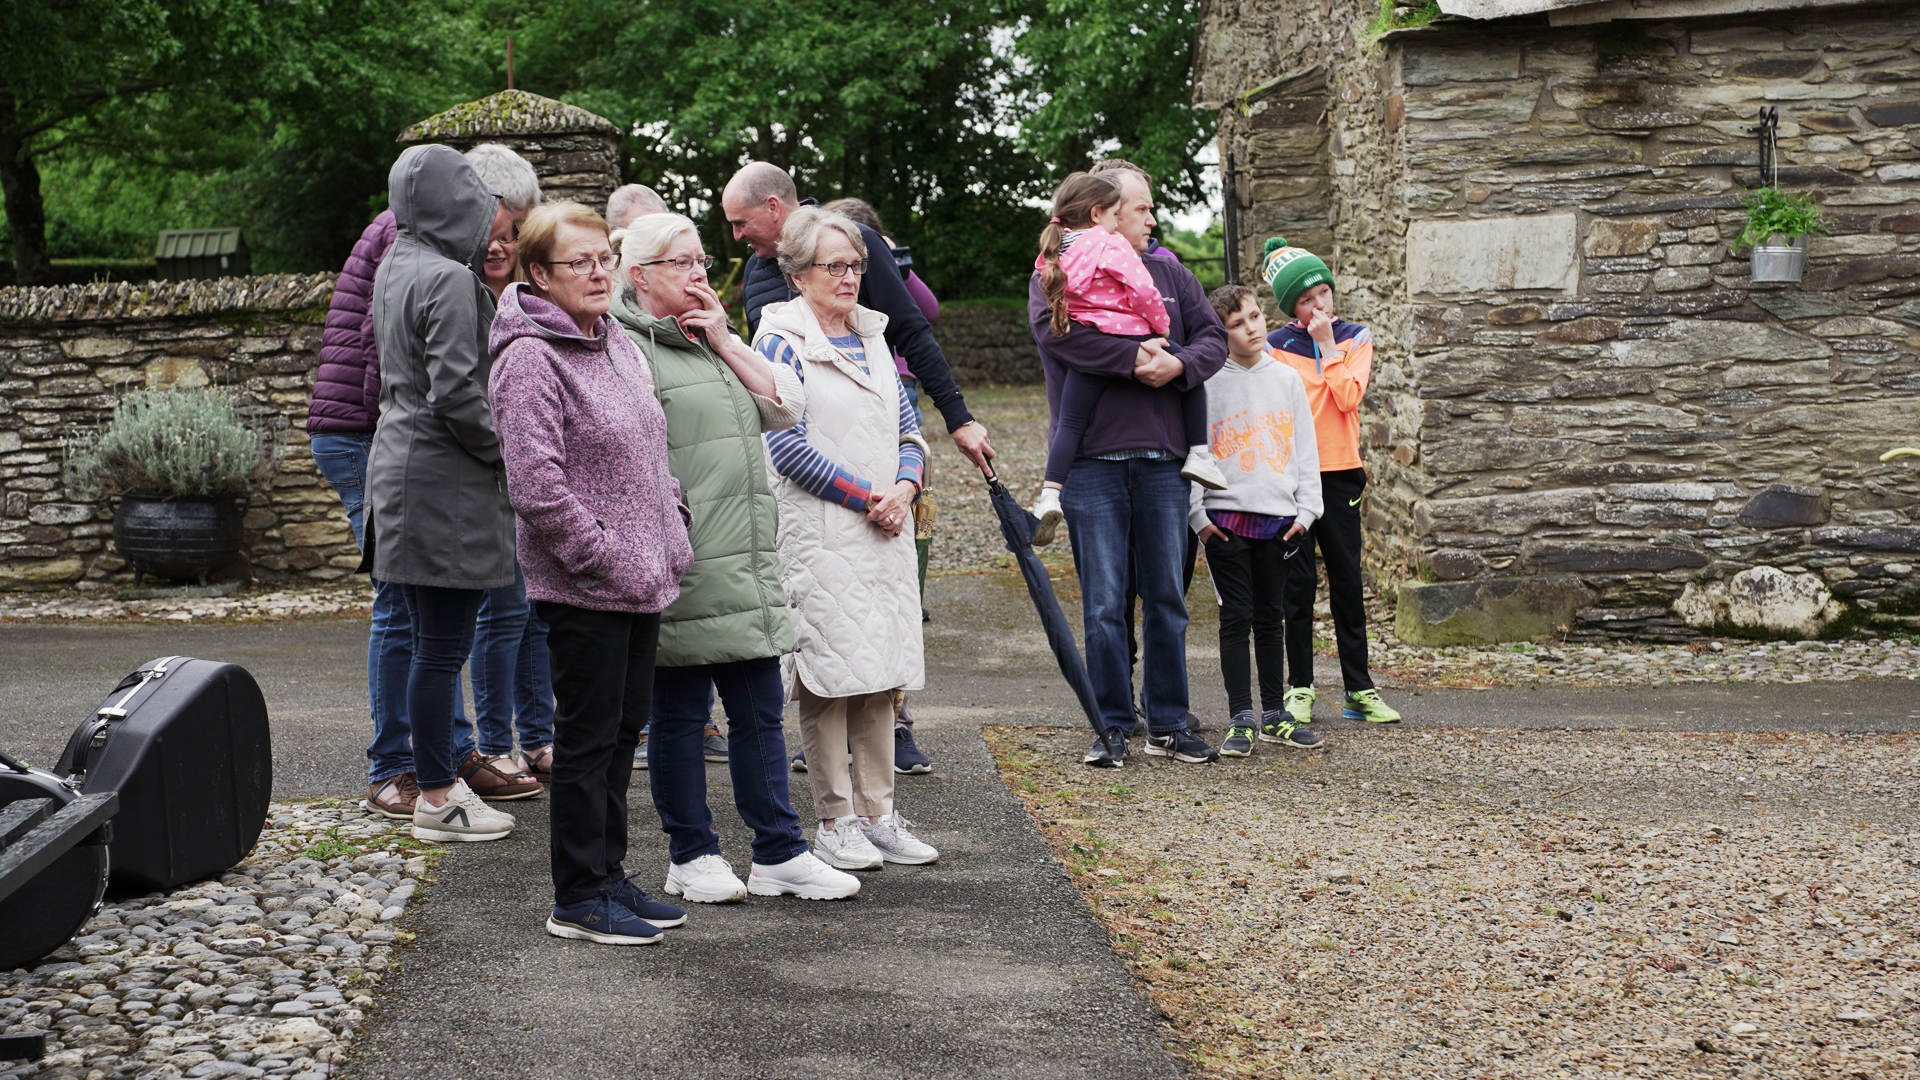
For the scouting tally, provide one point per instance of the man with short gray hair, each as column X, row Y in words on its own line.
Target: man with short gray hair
column 633, row 201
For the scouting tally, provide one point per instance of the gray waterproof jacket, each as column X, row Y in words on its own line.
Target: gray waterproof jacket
column 437, row 510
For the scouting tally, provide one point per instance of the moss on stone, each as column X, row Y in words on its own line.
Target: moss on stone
column 509, row 112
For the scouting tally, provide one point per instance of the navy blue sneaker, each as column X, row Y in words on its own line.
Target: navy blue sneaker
column 1182, row 745
column 602, row 919
column 635, row 899
column 907, row 757
column 1109, row 750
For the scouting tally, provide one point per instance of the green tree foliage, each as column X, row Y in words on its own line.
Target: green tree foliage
column 954, row 118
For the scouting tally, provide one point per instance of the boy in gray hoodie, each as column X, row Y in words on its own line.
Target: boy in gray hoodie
column 1260, row 428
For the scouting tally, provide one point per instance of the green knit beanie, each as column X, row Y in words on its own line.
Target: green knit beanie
column 1292, row 271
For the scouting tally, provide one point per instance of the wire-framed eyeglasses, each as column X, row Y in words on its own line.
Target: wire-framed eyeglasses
column 683, row 263
column 584, row 266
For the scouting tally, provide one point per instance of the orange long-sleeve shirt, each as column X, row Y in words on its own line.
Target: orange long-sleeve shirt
column 1335, row 385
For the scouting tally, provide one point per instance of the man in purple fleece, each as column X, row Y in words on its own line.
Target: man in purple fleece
column 1125, row 500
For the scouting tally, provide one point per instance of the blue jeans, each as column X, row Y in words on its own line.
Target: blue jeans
column 756, row 757
column 342, row 459
column 1117, row 512
column 511, row 679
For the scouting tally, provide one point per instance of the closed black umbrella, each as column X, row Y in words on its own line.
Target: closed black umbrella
column 1017, row 526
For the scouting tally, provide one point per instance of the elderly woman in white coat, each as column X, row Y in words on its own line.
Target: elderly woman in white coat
column 846, row 477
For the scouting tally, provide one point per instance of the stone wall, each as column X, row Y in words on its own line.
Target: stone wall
column 575, row 153
column 988, row 343
column 1590, row 388
column 66, row 353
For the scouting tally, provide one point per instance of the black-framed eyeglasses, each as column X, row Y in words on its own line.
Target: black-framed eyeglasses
column 683, row 263
column 583, row 267
column 839, row 269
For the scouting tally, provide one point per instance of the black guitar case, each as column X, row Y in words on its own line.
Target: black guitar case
column 185, row 743
column 46, row 912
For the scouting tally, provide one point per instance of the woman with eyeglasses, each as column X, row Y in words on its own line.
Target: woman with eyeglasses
column 848, row 474
column 603, row 544
column 730, row 627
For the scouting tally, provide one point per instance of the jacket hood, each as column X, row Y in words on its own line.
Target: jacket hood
column 523, row 314
column 438, row 199
column 1294, row 338
column 795, row 319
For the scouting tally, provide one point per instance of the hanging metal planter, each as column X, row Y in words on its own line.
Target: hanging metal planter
column 1781, row 258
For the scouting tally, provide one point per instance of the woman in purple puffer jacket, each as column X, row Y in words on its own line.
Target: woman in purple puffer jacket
column 602, row 541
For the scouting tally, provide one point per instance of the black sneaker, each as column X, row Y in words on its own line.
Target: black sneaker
column 713, row 744
column 907, row 757
column 1240, row 736
column 1182, row 745
column 1139, row 720
column 1109, row 751
column 1278, row 726
column 1195, row 724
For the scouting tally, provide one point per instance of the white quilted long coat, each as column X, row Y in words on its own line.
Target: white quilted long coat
column 853, row 593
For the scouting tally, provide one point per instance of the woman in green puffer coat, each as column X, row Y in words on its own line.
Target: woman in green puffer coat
column 730, row 627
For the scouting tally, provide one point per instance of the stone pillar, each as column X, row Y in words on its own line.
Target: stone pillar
column 576, row 153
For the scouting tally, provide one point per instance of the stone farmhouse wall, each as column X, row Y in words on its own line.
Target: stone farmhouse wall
column 67, row 353
column 1580, row 390
column 988, row 344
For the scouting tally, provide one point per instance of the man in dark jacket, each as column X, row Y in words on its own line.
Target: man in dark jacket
column 757, row 202
column 1125, row 500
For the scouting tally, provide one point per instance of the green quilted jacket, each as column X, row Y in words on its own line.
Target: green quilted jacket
column 731, row 606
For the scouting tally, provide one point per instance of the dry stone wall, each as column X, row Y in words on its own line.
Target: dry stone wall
column 988, row 343
column 66, row 353
column 1604, row 393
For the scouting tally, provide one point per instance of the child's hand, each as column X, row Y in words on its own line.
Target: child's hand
column 1320, row 328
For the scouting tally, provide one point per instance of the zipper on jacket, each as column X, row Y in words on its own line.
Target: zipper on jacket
column 753, row 497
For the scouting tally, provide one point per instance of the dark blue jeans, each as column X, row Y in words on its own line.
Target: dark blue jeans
column 751, row 693
column 1117, row 512
column 512, row 684
column 442, row 622
column 342, row 459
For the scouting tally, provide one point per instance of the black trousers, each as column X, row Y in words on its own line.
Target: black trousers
column 1254, row 579
column 603, row 691
column 1338, row 537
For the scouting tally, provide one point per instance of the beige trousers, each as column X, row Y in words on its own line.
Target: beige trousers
column 829, row 727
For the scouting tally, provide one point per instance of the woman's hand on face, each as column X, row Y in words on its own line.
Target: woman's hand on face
column 710, row 316
column 890, row 510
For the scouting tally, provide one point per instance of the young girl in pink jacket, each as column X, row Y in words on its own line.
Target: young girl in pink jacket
column 1091, row 275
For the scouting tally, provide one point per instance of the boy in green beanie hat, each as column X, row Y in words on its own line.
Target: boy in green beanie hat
column 1334, row 358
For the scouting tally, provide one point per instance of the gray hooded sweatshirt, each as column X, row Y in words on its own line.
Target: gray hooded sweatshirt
column 436, row 493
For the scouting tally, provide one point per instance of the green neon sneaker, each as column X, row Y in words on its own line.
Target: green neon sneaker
column 1278, row 727
column 1240, row 736
column 1299, row 703
column 1366, row 705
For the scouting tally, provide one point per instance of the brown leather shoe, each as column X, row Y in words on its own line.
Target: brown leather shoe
column 540, row 764
column 393, row 797
column 498, row 780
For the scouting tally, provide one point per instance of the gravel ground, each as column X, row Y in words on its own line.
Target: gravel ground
column 1495, row 903
column 264, row 972
column 349, row 597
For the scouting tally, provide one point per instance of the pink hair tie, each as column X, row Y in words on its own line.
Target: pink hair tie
column 1053, row 221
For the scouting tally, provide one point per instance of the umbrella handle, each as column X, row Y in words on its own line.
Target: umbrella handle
column 991, row 476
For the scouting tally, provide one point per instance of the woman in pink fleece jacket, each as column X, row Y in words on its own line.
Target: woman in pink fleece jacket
column 603, row 542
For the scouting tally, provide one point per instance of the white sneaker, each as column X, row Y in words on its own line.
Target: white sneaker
column 708, row 879
column 844, row 846
column 462, row 818
column 1047, row 509
column 896, row 844
column 1203, row 469
column 804, row 876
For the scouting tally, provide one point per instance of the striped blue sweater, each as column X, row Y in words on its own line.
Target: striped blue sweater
column 797, row 460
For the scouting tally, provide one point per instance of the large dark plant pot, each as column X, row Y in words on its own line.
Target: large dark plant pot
column 185, row 539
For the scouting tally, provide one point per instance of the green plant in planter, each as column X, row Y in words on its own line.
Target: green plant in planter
column 1772, row 212
column 179, row 443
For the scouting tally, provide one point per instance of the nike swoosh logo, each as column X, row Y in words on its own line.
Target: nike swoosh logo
column 1353, row 502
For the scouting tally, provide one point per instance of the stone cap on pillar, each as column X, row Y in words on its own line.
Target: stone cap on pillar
column 575, row 153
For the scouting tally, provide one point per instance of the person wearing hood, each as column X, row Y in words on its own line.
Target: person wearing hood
column 848, row 475
column 730, row 626
column 439, row 525
column 603, row 546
